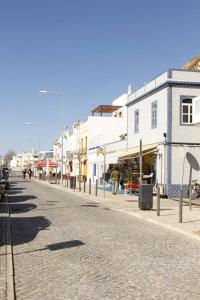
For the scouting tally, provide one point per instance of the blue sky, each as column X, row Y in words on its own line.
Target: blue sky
column 87, row 49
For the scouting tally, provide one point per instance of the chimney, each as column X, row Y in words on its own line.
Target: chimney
column 129, row 89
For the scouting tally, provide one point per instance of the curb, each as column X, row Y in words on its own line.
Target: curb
column 9, row 258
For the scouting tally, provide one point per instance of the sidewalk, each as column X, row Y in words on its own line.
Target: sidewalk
column 6, row 261
column 169, row 210
column 3, row 251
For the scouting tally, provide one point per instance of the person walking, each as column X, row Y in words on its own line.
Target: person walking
column 24, row 173
column 115, row 180
column 30, row 173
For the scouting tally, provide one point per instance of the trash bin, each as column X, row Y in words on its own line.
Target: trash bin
column 145, row 196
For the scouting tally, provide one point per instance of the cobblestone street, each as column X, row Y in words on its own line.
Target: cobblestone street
column 67, row 247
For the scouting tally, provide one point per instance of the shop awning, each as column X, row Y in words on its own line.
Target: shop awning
column 45, row 163
column 135, row 152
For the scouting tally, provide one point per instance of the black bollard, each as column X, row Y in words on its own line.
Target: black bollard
column 158, row 201
column 90, row 186
column 96, row 187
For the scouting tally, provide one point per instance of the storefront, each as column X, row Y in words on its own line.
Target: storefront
column 129, row 164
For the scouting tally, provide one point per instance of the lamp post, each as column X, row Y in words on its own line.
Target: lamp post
column 62, row 107
column 28, row 138
column 29, row 123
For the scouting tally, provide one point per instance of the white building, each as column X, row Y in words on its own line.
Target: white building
column 71, row 140
column 104, row 130
column 162, row 111
column 25, row 160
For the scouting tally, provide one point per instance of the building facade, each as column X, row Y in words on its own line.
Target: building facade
column 160, row 114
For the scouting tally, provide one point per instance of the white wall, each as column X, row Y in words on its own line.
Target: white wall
column 183, row 133
column 103, row 130
column 148, row 135
column 149, row 86
column 189, row 76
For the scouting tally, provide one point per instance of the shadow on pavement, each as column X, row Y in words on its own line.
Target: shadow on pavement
column 13, row 192
column 21, row 208
column 14, row 199
column 89, row 205
column 63, row 245
column 57, row 246
column 17, row 189
column 24, row 230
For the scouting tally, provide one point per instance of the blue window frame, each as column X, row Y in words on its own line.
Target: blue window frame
column 186, row 111
column 154, row 113
column 136, row 124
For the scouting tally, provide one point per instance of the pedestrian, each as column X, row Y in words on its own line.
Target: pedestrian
column 24, row 173
column 110, row 181
column 115, row 180
column 30, row 173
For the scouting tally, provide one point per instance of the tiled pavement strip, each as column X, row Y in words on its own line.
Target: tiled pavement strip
column 6, row 261
column 169, row 216
column 169, row 210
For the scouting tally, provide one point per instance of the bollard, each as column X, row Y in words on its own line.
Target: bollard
column 181, row 207
column 67, row 183
column 90, row 186
column 190, row 198
column 79, row 185
column 74, row 182
column 84, row 185
column 96, row 187
column 158, row 201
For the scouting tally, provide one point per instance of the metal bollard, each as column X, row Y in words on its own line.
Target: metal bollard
column 67, row 183
column 96, row 187
column 158, row 201
column 181, row 207
column 74, row 183
column 190, row 198
column 90, row 186
column 79, row 185
column 84, row 185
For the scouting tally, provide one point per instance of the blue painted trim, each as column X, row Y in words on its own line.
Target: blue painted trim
column 182, row 70
column 162, row 86
column 169, row 136
column 95, row 147
column 169, row 74
column 174, row 190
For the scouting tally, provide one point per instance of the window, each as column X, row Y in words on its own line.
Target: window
column 136, row 127
column 186, row 111
column 154, row 114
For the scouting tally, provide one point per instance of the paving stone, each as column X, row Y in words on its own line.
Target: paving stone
column 75, row 251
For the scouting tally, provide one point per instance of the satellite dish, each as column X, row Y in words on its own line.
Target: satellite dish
column 192, row 161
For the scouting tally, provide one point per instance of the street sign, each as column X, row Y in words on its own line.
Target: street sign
column 100, row 151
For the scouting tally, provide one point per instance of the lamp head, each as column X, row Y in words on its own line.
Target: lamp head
column 43, row 92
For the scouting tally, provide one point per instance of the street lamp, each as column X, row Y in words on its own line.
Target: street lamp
column 29, row 123
column 28, row 138
column 45, row 92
